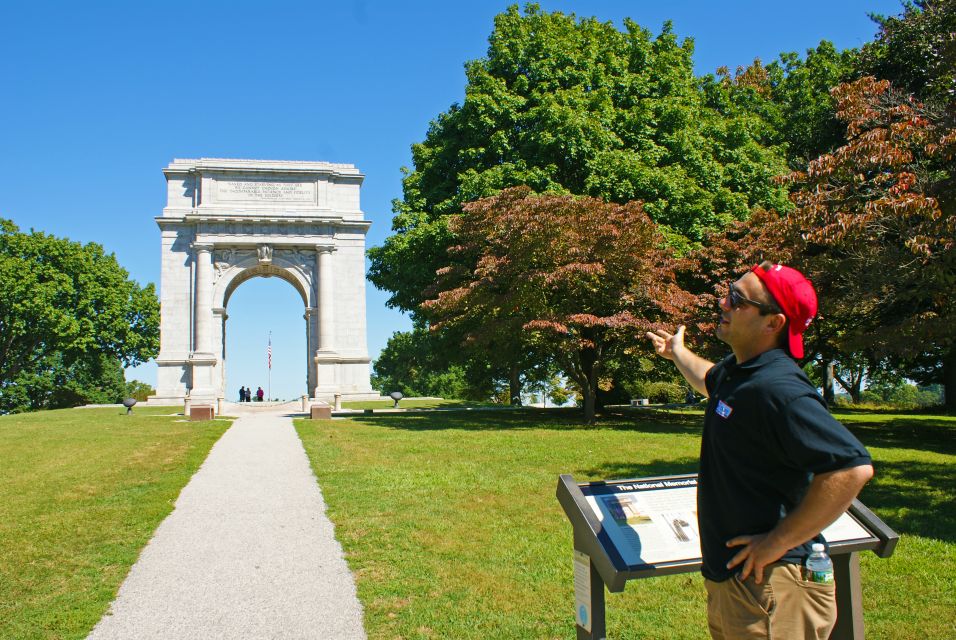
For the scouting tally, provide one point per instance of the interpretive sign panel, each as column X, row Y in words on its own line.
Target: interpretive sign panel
column 647, row 527
column 654, row 521
column 649, row 522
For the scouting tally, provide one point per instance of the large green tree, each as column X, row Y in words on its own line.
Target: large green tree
column 67, row 311
column 568, row 105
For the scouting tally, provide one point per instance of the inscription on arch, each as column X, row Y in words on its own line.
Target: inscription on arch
column 262, row 191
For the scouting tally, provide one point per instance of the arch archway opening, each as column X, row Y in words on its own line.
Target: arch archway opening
column 257, row 305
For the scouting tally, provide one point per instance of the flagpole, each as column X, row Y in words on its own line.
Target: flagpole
column 270, row 366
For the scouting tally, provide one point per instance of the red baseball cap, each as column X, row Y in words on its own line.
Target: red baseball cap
column 794, row 295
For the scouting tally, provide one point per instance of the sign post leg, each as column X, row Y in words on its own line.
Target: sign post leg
column 589, row 598
column 849, row 597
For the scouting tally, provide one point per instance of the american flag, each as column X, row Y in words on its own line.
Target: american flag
column 269, row 351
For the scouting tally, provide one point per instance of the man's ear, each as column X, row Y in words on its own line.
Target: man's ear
column 777, row 322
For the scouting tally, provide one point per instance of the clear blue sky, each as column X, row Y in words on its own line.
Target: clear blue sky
column 98, row 97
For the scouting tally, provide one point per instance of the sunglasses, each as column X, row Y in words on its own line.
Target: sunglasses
column 735, row 299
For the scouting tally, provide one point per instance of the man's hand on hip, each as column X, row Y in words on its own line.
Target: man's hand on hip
column 758, row 551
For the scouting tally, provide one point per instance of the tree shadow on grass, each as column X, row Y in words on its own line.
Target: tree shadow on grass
column 914, row 498
column 924, row 434
column 630, row 470
column 554, row 419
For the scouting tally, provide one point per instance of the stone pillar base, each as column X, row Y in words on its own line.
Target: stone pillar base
column 203, row 391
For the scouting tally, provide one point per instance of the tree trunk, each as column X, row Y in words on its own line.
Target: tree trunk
column 857, row 391
column 514, row 387
column 949, row 378
column 589, row 398
column 590, row 370
column 827, row 377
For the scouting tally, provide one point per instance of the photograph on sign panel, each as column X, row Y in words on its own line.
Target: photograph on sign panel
column 626, row 511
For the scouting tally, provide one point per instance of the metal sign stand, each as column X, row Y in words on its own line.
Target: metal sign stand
column 599, row 564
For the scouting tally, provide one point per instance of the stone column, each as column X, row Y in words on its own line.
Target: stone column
column 203, row 308
column 323, row 267
column 219, row 348
column 310, row 342
column 326, row 358
column 204, row 390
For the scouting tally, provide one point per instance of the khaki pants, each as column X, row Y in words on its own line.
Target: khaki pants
column 783, row 607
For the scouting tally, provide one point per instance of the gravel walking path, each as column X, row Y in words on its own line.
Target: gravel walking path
column 247, row 553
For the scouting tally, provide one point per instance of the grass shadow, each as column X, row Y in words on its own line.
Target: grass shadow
column 914, row 498
column 554, row 419
column 922, row 434
column 630, row 470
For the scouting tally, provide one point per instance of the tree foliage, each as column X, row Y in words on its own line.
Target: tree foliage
column 875, row 219
column 67, row 311
column 564, row 105
column 581, row 279
column 138, row 390
column 417, row 363
column 916, row 50
column 873, row 228
column 52, row 384
column 567, row 106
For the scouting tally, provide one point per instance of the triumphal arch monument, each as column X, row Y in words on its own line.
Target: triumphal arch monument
column 227, row 221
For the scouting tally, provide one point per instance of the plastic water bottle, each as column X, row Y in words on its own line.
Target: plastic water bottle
column 819, row 565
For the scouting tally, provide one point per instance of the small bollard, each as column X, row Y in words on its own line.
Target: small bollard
column 305, row 403
column 338, row 401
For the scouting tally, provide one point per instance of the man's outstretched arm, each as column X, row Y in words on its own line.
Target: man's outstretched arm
column 690, row 365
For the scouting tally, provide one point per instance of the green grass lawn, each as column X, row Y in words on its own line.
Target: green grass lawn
column 450, row 523
column 81, row 492
column 415, row 403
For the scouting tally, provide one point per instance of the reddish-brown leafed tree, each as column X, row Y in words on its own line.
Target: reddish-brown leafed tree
column 873, row 228
column 725, row 257
column 579, row 279
column 875, row 224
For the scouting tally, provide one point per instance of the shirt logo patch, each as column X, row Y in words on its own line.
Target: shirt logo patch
column 723, row 409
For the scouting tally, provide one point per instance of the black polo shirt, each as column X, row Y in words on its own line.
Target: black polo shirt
column 766, row 432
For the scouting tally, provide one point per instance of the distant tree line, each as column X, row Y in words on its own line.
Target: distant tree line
column 590, row 187
column 70, row 320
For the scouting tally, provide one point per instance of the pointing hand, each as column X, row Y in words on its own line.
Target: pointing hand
column 666, row 343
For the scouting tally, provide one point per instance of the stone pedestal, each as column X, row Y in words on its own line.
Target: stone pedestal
column 201, row 412
column 320, row 412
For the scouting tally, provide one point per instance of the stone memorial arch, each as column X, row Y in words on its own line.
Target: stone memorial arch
column 227, row 221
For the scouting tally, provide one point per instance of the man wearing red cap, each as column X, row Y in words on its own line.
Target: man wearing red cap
column 775, row 467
